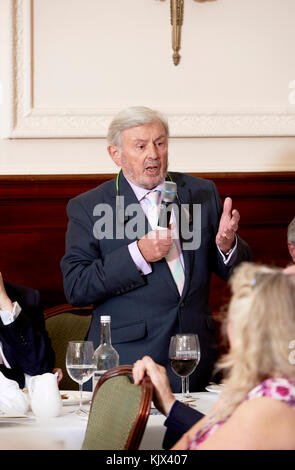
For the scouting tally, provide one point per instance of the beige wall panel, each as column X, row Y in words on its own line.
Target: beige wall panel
column 63, row 156
column 67, row 66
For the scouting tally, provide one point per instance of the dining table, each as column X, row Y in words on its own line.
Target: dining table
column 67, row 431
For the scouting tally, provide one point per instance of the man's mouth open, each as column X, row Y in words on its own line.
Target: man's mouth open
column 152, row 170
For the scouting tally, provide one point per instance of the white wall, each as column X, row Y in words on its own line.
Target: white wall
column 73, row 64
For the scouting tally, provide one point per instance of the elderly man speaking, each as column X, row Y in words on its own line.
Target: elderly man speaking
column 154, row 283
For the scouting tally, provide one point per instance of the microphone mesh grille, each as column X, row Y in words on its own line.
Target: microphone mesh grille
column 169, row 191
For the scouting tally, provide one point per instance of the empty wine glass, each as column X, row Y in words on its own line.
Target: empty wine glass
column 184, row 355
column 80, row 365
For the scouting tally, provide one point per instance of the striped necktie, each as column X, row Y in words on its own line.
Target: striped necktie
column 173, row 258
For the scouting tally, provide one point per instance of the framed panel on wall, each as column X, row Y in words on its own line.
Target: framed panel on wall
column 73, row 64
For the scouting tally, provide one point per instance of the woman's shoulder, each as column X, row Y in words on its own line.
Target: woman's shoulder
column 266, row 423
column 259, row 424
column 265, row 420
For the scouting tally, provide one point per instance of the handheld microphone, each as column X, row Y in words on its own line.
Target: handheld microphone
column 169, row 192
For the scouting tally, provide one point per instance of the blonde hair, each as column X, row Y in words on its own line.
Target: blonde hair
column 133, row 117
column 261, row 317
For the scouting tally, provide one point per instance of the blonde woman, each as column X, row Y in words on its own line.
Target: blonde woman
column 256, row 409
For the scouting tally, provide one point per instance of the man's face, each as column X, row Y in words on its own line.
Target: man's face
column 143, row 155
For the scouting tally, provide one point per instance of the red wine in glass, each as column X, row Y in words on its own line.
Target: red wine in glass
column 184, row 355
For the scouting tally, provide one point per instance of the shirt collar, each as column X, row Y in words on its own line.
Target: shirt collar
column 140, row 193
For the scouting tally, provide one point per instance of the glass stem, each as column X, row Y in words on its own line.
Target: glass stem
column 80, row 390
column 183, row 387
column 187, row 386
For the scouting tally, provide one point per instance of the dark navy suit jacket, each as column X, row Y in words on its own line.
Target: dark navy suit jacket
column 25, row 342
column 181, row 418
column 146, row 310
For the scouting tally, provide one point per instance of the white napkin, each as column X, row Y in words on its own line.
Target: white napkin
column 12, row 398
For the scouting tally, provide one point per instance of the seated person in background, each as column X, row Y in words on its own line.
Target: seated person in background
column 25, row 348
column 256, row 409
column 291, row 239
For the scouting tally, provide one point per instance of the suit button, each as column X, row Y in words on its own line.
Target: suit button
column 182, row 304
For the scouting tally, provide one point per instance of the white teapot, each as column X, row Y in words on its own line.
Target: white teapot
column 45, row 397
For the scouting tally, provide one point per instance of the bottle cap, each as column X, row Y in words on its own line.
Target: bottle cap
column 105, row 318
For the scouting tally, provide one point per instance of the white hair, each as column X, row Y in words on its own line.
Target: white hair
column 133, row 117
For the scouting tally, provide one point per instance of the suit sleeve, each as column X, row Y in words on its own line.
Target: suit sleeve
column 181, row 418
column 89, row 277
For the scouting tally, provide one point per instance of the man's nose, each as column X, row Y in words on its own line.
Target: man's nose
column 152, row 151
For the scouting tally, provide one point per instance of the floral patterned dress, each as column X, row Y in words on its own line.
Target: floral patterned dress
column 280, row 389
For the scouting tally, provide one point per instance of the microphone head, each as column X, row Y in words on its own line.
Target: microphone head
column 169, row 191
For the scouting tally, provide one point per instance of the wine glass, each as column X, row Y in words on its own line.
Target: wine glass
column 184, row 355
column 80, row 365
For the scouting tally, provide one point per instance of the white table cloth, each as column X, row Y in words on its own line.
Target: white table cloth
column 67, row 431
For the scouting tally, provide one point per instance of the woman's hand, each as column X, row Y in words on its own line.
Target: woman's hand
column 163, row 396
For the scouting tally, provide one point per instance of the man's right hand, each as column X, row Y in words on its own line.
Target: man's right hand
column 155, row 245
column 163, row 396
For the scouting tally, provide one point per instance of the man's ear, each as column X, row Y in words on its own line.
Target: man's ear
column 291, row 249
column 115, row 154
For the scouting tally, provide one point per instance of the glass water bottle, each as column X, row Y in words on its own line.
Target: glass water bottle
column 105, row 355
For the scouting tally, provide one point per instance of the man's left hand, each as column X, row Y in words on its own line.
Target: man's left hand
column 228, row 226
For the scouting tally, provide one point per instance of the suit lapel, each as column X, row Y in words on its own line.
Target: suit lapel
column 127, row 192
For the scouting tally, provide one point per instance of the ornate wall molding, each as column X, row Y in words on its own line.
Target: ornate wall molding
column 24, row 120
